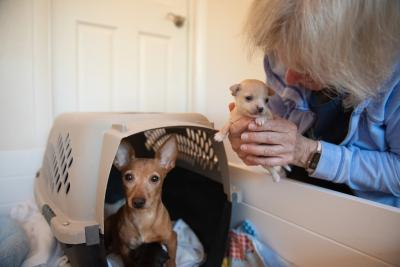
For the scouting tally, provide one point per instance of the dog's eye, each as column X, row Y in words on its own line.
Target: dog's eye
column 249, row 98
column 128, row 177
column 266, row 100
column 154, row 179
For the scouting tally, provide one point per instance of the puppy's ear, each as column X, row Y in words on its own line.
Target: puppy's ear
column 124, row 155
column 270, row 91
column 235, row 89
column 168, row 153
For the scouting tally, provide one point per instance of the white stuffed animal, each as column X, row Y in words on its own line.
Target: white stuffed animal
column 41, row 239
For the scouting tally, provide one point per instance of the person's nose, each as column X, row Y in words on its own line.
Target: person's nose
column 293, row 78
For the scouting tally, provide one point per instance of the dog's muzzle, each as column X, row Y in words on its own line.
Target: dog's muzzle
column 138, row 203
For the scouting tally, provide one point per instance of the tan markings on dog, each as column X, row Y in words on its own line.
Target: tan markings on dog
column 251, row 100
column 143, row 218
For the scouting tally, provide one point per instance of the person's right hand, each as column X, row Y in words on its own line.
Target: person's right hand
column 235, row 132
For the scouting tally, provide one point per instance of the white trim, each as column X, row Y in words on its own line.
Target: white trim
column 41, row 69
column 301, row 246
column 15, row 163
column 197, row 15
column 16, row 189
column 363, row 225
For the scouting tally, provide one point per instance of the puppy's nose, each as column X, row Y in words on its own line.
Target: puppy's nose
column 260, row 109
column 139, row 202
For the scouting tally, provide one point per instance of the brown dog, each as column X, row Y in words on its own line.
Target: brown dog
column 143, row 218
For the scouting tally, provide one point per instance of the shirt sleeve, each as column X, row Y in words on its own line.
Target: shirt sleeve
column 366, row 170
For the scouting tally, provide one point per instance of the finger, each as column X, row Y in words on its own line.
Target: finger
column 235, row 143
column 265, row 150
column 276, row 117
column 248, row 162
column 273, row 138
column 239, row 126
column 266, row 161
column 231, row 106
column 279, row 125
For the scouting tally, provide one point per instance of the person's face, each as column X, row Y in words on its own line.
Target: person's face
column 294, row 78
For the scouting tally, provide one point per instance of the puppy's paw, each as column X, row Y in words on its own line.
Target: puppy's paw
column 275, row 174
column 219, row 137
column 260, row 121
column 274, row 171
column 287, row 167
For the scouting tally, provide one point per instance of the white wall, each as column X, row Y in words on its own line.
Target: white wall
column 227, row 59
column 25, row 107
column 25, row 85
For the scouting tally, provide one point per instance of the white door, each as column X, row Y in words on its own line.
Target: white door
column 119, row 55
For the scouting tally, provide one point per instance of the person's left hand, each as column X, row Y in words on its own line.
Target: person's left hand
column 275, row 143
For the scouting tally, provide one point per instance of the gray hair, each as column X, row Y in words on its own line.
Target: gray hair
column 351, row 45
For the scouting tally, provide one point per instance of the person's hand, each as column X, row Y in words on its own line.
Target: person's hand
column 235, row 131
column 275, row 143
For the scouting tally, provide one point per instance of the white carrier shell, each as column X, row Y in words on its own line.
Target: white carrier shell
column 71, row 185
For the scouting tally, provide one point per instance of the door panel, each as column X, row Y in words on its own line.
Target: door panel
column 119, row 56
column 95, row 68
column 154, row 57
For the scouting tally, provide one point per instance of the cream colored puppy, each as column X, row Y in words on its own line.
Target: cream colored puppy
column 251, row 100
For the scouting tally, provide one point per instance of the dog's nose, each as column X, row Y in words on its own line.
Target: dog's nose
column 260, row 109
column 139, row 202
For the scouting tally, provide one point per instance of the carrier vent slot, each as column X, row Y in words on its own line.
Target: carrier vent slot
column 58, row 187
column 68, row 187
column 195, row 146
column 66, row 178
column 57, row 164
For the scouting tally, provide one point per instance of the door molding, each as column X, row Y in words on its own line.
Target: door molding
column 41, row 67
column 197, row 34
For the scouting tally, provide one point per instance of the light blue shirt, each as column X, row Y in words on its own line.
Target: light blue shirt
column 368, row 159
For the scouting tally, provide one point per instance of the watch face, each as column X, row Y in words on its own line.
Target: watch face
column 314, row 161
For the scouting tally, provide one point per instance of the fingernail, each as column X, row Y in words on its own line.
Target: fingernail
column 252, row 126
column 243, row 147
column 244, row 136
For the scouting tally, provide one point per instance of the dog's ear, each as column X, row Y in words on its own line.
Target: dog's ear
column 270, row 91
column 124, row 155
column 168, row 153
column 234, row 89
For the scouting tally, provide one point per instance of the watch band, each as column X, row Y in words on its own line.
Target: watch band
column 313, row 160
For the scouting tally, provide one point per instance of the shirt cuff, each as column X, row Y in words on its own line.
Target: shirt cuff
column 329, row 162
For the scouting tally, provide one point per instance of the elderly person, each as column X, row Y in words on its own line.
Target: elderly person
column 335, row 68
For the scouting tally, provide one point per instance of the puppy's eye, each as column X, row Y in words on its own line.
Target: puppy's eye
column 154, row 179
column 249, row 98
column 266, row 100
column 128, row 177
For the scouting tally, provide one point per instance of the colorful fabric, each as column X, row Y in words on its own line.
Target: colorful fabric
column 240, row 245
column 245, row 250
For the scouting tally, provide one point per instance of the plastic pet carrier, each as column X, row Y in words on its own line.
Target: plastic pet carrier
column 77, row 178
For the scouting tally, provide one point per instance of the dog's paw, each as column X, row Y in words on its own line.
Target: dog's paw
column 275, row 176
column 260, row 121
column 274, row 171
column 287, row 167
column 219, row 137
